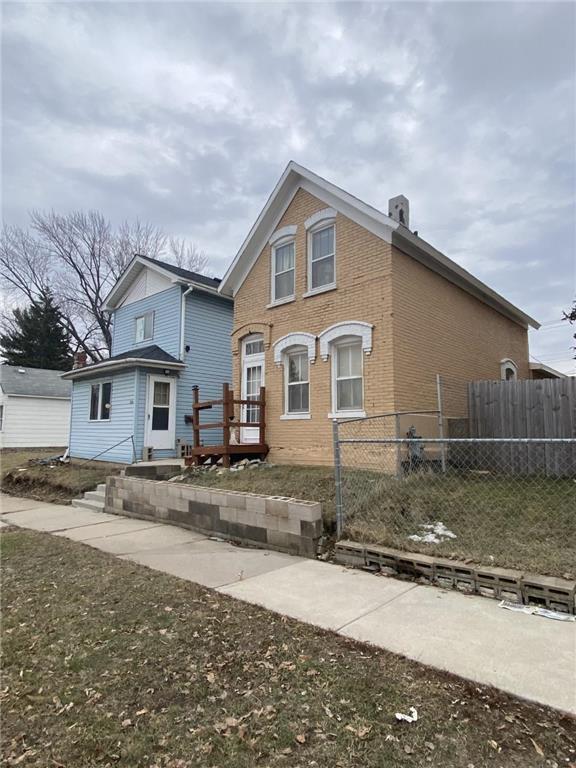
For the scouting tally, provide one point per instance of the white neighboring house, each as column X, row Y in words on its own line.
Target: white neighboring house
column 34, row 408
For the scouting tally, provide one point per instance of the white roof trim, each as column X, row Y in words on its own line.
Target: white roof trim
column 288, row 231
column 107, row 366
column 328, row 214
column 547, row 369
column 297, row 177
column 118, row 290
column 350, row 328
column 298, row 339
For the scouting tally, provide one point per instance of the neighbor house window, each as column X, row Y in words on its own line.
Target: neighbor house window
column 347, row 385
column 322, row 255
column 100, row 401
column 508, row 370
column 297, row 384
column 144, row 327
column 283, row 271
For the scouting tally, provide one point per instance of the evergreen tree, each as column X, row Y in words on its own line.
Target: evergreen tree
column 38, row 338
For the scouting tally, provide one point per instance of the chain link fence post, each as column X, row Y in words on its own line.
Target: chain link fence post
column 337, row 479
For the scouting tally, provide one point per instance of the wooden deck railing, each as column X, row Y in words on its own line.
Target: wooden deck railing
column 228, row 403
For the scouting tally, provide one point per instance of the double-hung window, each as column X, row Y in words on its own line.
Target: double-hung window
column 297, row 383
column 283, row 271
column 348, row 377
column 144, row 327
column 100, row 401
column 322, row 255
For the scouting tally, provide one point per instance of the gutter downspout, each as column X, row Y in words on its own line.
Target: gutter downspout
column 183, row 319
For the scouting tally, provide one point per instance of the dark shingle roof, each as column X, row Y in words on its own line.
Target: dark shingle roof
column 34, row 382
column 193, row 277
column 153, row 352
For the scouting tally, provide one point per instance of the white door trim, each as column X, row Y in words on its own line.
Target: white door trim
column 160, row 439
column 250, row 434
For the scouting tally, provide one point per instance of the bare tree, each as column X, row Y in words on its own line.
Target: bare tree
column 78, row 257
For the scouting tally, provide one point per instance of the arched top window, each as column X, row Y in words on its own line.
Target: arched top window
column 299, row 339
column 357, row 328
column 253, row 345
column 508, row 370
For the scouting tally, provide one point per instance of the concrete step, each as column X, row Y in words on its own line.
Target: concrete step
column 95, row 496
column 101, row 487
column 95, row 506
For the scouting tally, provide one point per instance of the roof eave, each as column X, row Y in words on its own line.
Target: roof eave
column 114, row 365
column 427, row 255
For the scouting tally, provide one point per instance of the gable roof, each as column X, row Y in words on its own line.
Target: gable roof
column 297, row 177
column 176, row 275
column 152, row 356
column 33, row 382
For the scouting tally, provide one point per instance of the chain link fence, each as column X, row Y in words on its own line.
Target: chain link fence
column 503, row 502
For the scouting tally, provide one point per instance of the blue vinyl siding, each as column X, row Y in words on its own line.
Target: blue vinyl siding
column 166, row 306
column 87, row 438
column 207, row 329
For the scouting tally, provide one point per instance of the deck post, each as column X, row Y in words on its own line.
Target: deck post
column 226, row 421
column 195, row 421
column 262, row 414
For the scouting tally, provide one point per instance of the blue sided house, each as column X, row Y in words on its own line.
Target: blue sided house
column 171, row 330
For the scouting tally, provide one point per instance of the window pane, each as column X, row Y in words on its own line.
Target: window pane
column 323, row 272
column 139, row 329
column 94, row 391
column 284, row 285
column 342, row 361
column 148, row 325
column 349, row 394
column 160, row 418
column 284, row 257
column 298, row 367
column 298, row 398
column 323, row 243
column 161, row 393
column 254, row 347
column 355, row 359
column 106, row 400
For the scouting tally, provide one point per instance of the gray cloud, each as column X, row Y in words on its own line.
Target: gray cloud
column 185, row 114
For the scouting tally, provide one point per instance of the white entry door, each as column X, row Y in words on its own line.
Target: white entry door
column 252, row 380
column 160, row 412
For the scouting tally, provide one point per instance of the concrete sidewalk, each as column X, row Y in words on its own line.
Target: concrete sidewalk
column 529, row 656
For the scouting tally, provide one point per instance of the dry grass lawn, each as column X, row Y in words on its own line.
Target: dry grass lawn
column 107, row 663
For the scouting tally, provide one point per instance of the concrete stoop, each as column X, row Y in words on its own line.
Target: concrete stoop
column 93, row 500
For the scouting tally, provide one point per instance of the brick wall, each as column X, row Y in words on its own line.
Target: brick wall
column 272, row 522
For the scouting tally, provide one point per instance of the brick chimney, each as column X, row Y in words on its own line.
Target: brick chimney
column 399, row 209
column 79, row 360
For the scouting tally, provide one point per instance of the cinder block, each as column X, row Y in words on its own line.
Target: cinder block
column 236, row 500
column 416, row 565
column 499, row 583
column 277, row 506
column 382, row 556
column 311, row 530
column 305, row 510
column 549, row 592
column 289, row 525
column 245, row 517
column 200, row 494
column 350, row 553
column 229, row 514
column 255, row 503
column 289, row 542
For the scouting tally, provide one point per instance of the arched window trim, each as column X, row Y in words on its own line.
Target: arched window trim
column 350, row 328
column 297, row 339
column 508, row 364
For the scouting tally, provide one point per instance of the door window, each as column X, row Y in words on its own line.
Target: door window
column 161, row 406
column 253, row 384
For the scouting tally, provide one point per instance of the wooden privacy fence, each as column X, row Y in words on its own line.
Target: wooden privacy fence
column 530, row 409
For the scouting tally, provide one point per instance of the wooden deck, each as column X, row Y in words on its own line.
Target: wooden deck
column 229, row 448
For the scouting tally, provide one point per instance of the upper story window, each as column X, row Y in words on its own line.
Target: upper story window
column 321, row 227
column 144, row 328
column 283, row 270
column 100, row 401
column 508, row 370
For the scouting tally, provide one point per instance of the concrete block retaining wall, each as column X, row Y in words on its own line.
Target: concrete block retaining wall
column 272, row 522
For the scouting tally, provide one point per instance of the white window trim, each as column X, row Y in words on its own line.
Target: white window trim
column 351, row 413
column 99, row 418
column 323, row 223
column 143, row 316
column 288, row 415
column 280, row 243
column 349, row 328
column 296, row 339
column 320, row 217
column 506, row 364
column 283, row 232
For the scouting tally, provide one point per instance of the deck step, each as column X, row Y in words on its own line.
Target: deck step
column 95, row 506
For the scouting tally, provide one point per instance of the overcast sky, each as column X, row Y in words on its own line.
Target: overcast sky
column 185, row 114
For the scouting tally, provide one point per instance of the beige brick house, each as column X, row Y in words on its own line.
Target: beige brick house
column 341, row 311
